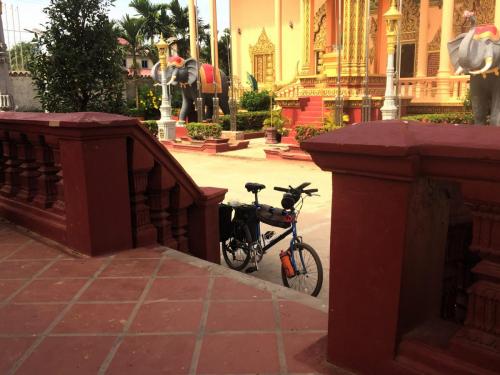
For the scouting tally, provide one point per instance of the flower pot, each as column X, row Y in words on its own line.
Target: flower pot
column 271, row 135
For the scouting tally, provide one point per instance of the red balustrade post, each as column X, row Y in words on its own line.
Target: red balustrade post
column 393, row 195
column 96, row 194
column 204, row 225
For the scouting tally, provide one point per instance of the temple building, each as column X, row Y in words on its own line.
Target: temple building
column 290, row 47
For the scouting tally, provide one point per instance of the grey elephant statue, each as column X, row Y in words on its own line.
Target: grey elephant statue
column 477, row 53
column 188, row 74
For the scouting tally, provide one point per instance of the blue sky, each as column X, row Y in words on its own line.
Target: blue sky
column 31, row 15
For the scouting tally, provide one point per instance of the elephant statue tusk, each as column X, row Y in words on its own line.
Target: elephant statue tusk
column 486, row 67
column 459, row 71
column 172, row 80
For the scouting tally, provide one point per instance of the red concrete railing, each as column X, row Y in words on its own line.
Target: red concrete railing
column 100, row 183
column 396, row 189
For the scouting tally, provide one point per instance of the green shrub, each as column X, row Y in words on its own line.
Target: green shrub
column 202, row 130
column 134, row 112
column 255, row 101
column 443, row 118
column 152, row 126
column 245, row 120
column 150, row 101
column 278, row 121
column 304, row 132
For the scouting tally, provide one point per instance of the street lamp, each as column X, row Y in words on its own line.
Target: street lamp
column 391, row 17
column 166, row 126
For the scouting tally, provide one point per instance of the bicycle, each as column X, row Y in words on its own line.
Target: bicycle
column 242, row 241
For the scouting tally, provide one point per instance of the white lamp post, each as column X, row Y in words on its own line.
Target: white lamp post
column 166, row 126
column 391, row 17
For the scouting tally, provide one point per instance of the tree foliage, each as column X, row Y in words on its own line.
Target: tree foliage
column 77, row 63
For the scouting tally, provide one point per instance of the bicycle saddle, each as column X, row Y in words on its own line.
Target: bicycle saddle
column 254, row 187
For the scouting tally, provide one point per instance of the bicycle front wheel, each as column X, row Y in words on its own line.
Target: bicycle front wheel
column 236, row 252
column 309, row 273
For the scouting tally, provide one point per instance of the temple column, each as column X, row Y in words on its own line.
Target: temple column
column 279, row 41
column 422, row 44
column 214, row 48
column 497, row 13
column 307, row 20
column 193, row 35
column 331, row 25
column 443, row 88
column 381, row 49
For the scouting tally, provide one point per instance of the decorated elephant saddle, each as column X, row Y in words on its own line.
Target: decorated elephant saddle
column 176, row 61
column 208, row 76
column 486, row 32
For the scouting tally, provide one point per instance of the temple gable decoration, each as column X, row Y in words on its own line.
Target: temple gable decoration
column 262, row 57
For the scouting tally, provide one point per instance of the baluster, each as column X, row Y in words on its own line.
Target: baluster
column 179, row 202
column 55, row 186
column 2, row 159
column 454, row 84
column 160, row 183
column 47, row 190
column 29, row 169
column 11, row 172
column 482, row 324
column 141, row 163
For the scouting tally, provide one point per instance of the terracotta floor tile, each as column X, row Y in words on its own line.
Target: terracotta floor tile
column 175, row 268
column 168, row 317
column 239, row 353
column 306, row 352
column 36, row 250
column 241, row 315
column 8, row 249
column 27, row 319
column 21, row 269
column 225, row 288
column 152, row 253
column 178, row 289
column 295, row 316
column 153, row 355
column 50, row 290
column 7, row 287
column 74, row 268
column 11, row 349
column 114, row 290
column 95, row 318
column 130, row 267
column 12, row 237
column 68, row 355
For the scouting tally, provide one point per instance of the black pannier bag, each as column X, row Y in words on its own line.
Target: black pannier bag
column 225, row 225
column 273, row 216
column 247, row 214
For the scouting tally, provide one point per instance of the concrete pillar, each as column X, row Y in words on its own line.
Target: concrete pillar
column 278, row 25
column 422, row 39
column 193, row 35
column 443, row 90
column 331, row 25
column 214, row 48
column 497, row 13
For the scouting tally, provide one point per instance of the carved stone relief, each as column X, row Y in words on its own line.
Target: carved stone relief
column 484, row 10
column 262, row 57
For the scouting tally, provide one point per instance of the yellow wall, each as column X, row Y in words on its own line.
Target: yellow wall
column 250, row 17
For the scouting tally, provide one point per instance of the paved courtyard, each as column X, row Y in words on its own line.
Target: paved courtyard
column 147, row 311
column 232, row 170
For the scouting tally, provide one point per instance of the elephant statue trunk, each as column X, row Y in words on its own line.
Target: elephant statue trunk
column 186, row 74
column 477, row 53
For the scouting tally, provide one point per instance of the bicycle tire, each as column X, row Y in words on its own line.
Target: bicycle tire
column 228, row 252
column 296, row 284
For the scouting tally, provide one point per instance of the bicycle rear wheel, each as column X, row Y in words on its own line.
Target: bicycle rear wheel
column 236, row 253
column 309, row 275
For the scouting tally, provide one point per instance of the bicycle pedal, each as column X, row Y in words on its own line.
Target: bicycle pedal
column 251, row 269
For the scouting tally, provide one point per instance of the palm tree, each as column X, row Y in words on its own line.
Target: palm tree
column 149, row 13
column 129, row 28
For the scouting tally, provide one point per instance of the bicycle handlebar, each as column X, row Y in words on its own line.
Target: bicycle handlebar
column 298, row 190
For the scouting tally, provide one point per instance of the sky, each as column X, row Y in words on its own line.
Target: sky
column 31, row 15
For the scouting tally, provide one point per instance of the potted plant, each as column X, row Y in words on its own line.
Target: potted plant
column 274, row 127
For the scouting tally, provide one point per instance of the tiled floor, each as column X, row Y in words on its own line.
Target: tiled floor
column 147, row 311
